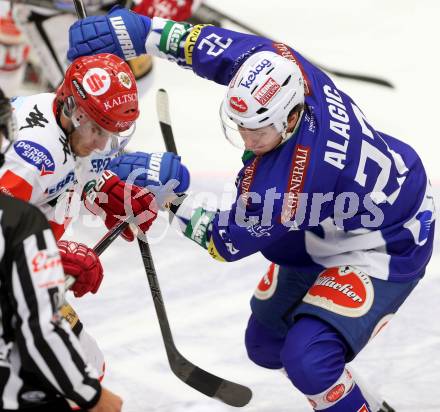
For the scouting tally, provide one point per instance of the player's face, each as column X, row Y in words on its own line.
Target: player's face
column 88, row 138
column 260, row 141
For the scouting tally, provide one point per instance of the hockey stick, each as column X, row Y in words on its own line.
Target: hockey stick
column 228, row 392
column 213, row 386
column 207, row 13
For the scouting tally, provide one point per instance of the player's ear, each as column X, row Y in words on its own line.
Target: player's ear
column 293, row 116
column 292, row 119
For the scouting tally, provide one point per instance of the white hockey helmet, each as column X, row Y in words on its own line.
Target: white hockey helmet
column 262, row 93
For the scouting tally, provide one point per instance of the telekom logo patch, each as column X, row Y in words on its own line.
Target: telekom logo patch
column 344, row 290
column 238, row 104
column 267, row 91
column 268, row 284
column 96, row 81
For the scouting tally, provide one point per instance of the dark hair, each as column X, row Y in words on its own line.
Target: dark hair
column 297, row 109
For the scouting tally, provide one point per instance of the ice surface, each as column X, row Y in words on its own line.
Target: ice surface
column 207, row 301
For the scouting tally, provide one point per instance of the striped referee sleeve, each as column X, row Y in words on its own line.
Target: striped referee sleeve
column 46, row 342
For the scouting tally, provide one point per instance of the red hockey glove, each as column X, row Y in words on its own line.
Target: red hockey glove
column 176, row 10
column 83, row 264
column 114, row 200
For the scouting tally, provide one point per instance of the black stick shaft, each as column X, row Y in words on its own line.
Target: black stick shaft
column 156, row 294
column 102, row 245
column 213, row 386
column 110, row 236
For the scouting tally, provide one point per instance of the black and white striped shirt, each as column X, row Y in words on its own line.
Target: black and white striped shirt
column 39, row 355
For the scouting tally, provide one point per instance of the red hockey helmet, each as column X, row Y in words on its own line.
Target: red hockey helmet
column 104, row 88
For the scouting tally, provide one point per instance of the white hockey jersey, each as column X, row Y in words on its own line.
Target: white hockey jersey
column 41, row 168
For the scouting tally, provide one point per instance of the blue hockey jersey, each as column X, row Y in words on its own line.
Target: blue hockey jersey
column 336, row 193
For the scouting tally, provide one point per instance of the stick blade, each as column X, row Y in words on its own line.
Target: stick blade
column 230, row 393
column 234, row 394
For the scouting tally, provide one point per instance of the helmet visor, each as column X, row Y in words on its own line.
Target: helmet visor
column 103, row 142
column 259, row 141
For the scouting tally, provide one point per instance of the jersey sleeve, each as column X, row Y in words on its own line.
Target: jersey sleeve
column 229, row 235
column 46, row 343
column 212, row 52
column 22, row 181
column 18, row 181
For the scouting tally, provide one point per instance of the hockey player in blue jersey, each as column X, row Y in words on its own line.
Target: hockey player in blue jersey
column 343, row 212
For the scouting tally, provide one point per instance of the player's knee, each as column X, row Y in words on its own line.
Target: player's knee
column 313, row 355
column 263, row 347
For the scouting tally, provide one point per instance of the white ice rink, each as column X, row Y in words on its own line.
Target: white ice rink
column 207, row 301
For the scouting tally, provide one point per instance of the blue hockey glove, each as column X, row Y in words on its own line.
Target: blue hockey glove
column 121, row 32
column 151, row 169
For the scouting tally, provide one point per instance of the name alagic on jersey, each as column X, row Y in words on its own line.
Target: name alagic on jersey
column 340, row 125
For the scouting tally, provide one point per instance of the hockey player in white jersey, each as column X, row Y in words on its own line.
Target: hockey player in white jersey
column 67, row 139
column 42, row 363
column 64, row 141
